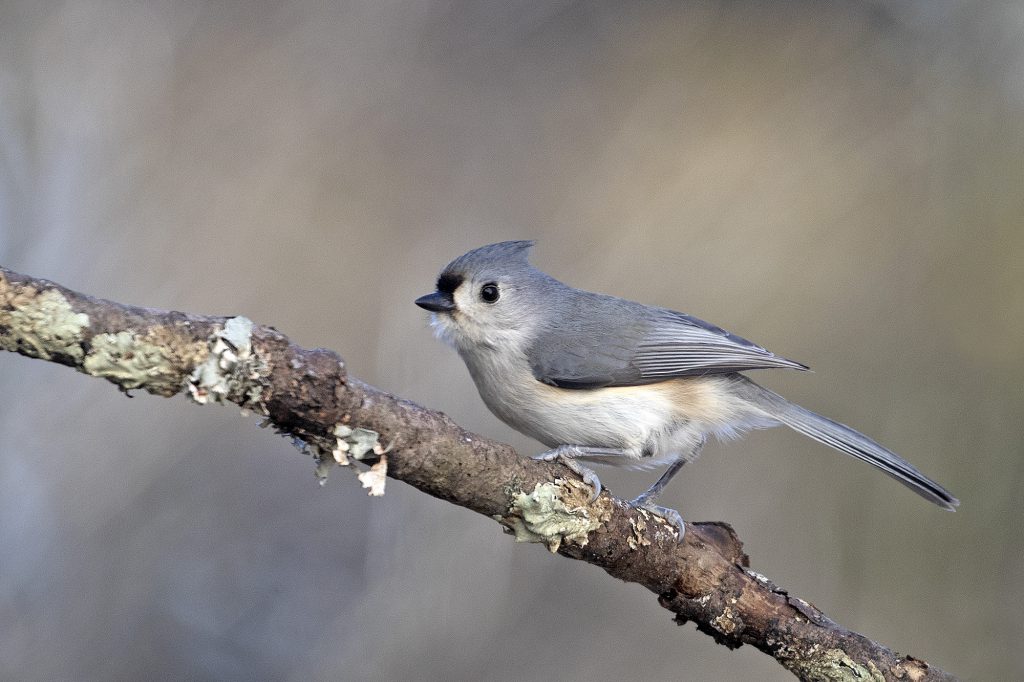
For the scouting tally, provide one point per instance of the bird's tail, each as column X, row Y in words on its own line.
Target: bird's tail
column 845, row 439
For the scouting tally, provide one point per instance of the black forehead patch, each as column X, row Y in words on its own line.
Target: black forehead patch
column 448, row 282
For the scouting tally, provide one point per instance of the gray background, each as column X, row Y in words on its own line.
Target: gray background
column 838, row 181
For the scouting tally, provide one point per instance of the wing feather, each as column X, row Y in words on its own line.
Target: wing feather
column 639, row 345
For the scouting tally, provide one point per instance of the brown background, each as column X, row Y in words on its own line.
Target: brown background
column 840, row 182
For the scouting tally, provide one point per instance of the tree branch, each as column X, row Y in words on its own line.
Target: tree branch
column 309, row 395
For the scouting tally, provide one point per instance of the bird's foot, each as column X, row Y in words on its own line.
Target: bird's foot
column 670, row 515
column 567, row 454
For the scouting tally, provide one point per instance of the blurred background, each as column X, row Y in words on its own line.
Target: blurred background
column 838, row 181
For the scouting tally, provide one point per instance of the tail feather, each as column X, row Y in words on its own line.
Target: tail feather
column 849, row 441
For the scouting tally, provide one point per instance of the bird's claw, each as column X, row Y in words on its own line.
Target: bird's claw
column 670, row 515
column 591, row 479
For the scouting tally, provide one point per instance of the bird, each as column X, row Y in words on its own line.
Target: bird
column 603, row 380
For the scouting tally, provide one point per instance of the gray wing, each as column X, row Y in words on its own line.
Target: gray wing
column 640, row 345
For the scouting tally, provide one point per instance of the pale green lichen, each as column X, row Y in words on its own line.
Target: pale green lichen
column 835, row 665
column 555, row 513
column 130, row 361
column 231, row 371
column 40, row 324
column 356, row 443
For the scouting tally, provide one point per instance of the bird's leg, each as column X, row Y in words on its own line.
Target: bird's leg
column 646, row 500
column 651, row 493
column 568, row 454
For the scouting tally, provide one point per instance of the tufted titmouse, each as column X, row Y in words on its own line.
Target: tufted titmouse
column 609, row 381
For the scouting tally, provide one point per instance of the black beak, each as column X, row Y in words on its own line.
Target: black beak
column 436, row 302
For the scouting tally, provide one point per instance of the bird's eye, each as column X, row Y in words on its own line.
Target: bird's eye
column 489, row 292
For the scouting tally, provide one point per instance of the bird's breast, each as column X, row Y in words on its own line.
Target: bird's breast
column 652, row 420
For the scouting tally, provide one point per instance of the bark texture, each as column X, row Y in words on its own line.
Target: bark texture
column 309, row 395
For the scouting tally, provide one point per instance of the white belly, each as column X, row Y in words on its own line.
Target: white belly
column 654, row 423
